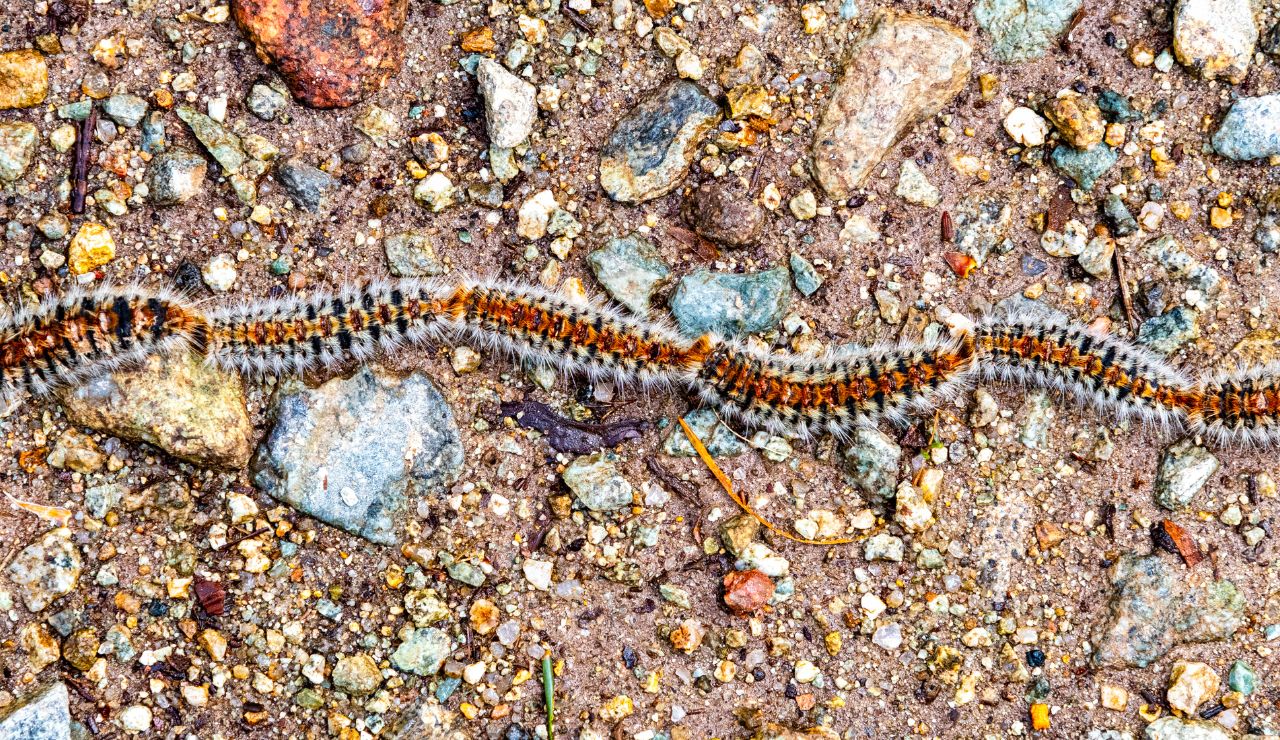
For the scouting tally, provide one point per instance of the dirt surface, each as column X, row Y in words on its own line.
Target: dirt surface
column 867, row 691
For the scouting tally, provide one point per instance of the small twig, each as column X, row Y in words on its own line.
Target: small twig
column 80, row 160
column 685, row 491
column 575, row 19
column 1125, row 299
column 246, row 536
column 755, row 173
column 669, row 479
column 549, row 695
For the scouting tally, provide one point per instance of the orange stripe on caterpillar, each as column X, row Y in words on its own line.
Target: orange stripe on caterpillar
column 548, row 328
column 1102, row 371
column 325, row 329
column 67, row 339
column 833, row 393
column 1242, row 406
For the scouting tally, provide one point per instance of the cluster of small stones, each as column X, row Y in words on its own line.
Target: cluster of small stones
column 194, row 555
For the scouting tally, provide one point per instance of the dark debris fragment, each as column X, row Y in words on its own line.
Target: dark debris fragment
column 574, row 437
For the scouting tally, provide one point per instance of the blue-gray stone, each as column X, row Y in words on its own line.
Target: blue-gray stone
column 98, row 500
column 1116, row 108
column 1180, row 264
column 125, row 109
column 630, row 269
column 596, row 483
column 77, row 111
column 446, row 689
column 1251, row 129
column 424, row 652
column 42, row 715
column 871, row 462
column 1267, row 234
column 719, row 439
column 981, row 224
column 338, row 452
column 1019, row 307
column 265, row 101
column 307, row 185
column 464, row 572
column 153, row 132
column 1022, row 30
column 175, row 176
column 411, row 255
column 802, row 271
column 1242, row 678
column 1179, row 728
column 731, row 305
column 329, row 610
column 1156, row 605
column 222, row 144
column 1118, row 215
column 1170, row 330
column 1083, row 166
column 649, row 151
column 1184, row 469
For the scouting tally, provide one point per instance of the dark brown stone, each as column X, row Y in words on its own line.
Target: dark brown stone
column 724, row 212
column 331, row 53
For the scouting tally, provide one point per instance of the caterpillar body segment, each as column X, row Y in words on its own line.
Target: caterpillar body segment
column 325, row 329
column 1241, row 407
column 1109, row 374
column 547, row 328
column 65, row 340
column 832, row 393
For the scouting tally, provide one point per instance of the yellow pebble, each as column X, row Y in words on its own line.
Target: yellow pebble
column 92, row 247
column 1040, row 716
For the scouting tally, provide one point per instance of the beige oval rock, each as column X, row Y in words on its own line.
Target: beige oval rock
column 904, row 70
column 178, row 403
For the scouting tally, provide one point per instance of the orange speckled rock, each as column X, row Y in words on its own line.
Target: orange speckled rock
column 331, row 53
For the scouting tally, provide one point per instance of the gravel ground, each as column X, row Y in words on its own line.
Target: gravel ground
column 1026, row 535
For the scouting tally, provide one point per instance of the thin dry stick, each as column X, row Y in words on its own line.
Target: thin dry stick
column 1125, row 299
column 741, row 502
column 80, row 160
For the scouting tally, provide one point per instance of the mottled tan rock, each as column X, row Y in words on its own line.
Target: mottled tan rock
column 91, row 248
column 331, row 53
column 1078, row 119
column 1258, row 347
column 177, row 403
column 1215, row 38
column 903, row 71
column 24, row 79
column 1190, row 685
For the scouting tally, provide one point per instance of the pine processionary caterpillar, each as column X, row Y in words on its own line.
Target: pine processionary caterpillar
column 63, row 341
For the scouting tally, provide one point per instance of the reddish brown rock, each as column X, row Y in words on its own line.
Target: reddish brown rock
column 331, row 53
column 724, row 211
column 747, row 591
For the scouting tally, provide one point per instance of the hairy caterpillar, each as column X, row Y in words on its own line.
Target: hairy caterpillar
column 63, row 341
